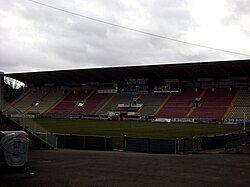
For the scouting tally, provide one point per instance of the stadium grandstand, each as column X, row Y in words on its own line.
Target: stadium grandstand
column 207, row 91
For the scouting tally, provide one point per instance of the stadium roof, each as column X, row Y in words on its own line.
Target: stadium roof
column 184, row 71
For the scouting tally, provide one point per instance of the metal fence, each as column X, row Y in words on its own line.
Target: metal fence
column 213, row 142
column 189, row 145
column 177, row 146
column 236, row 139
column 149, row 145
column 38, row 131
column 84, row 142
column 185, row 145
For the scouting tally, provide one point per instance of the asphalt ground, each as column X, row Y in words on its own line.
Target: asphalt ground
column 64, row 167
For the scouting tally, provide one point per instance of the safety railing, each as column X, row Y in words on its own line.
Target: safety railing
column 38, row 131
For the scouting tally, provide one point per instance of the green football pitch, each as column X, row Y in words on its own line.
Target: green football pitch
column 117, row 129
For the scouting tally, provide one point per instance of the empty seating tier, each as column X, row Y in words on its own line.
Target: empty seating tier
column 179, row 104
column 25, row 102
column 119, row 99
column 46, row 102
column 214, row 104
column 241, row 106
column 69, row 103
column 151, row 102
column 89, row 107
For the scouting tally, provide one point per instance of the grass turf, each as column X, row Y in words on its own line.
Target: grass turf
column 117, row 129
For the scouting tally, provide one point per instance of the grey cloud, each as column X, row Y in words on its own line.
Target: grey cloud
column 63, row 41
column 239, row 10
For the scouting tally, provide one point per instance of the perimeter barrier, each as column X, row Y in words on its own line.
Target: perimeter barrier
column 189, row 145
column 213, row 142
column 84, row 142
column 236, row 139
column 147, row 145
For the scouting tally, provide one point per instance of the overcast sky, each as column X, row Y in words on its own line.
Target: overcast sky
column 34, row 37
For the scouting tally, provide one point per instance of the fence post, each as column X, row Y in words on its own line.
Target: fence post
column 84, row 142
column 111, row 143
column 224, row 140
column 148, row 145
column 46, row 137
column 195, row 144
column 204, row 143
column 56, row 142
column 65, row 141
column 183, row 146
column 105, row 143
column 124, row 143
column 177, row 146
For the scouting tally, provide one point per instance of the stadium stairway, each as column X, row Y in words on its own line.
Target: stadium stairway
column 56, row 103
column 241, row 106
column 28, row 101
column 79, row 110
column 214, row 104
column 45, row 102
column 11, row 106
column 162, row 104
column 192, row 108
column 105, row 104
column 68, row 103
column 41, row 136
column 229, row 109
column 32, row 104
column 151, row 102
column 178, row 104
column 91, row 103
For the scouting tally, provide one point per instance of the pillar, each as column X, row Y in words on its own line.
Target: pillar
column 1, row 90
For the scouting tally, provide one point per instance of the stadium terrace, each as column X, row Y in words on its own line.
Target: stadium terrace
column 207, row 91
